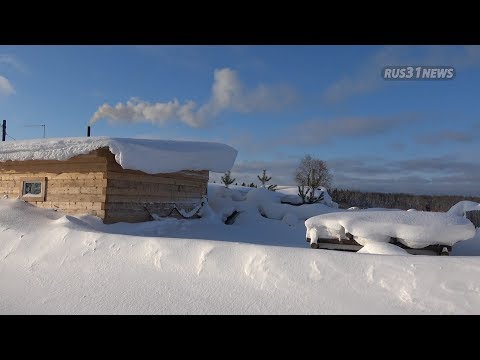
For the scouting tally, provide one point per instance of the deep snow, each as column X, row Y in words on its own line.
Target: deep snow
column 52, row 263
column 150, row 156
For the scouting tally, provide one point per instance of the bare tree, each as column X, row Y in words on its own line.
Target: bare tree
column 312, row 173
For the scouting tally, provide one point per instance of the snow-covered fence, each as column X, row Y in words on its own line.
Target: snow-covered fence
column 474, row 217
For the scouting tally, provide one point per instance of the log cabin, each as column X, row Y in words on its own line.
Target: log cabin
column 118, row 180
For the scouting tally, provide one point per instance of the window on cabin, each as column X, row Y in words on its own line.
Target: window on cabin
column 33, row 190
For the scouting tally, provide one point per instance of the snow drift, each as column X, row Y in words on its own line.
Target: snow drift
column 150, row 156
column 56, row 264
column 291, row 195
column 262, row 202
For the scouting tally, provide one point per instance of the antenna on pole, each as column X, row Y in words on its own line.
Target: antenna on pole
column 43, row 125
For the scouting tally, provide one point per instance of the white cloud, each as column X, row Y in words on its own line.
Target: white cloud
column 322, row 131
column 441, row 175
column 228, row 93
column 367, row 78
column 281, row 171
column 443, row 136
column 11, row 60
column 6, row 88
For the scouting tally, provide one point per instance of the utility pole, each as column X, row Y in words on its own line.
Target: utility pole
column 4, row 129
column 43, row 125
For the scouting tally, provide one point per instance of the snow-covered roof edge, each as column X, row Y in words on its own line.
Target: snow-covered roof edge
column 150, row 156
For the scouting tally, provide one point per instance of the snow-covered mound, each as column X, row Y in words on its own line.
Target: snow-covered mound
column 415, row 229
column 291, row 195
column 382, row 248
column 56, row 264
column 261, row 202
column 150, row 156
column 462, row 207
column 380, row 209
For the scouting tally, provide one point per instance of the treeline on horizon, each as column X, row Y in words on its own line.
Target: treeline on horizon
column 348, row 198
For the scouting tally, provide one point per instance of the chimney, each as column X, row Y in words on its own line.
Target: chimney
column 4, row 129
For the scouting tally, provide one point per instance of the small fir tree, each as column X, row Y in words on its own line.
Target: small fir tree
column 272, row 187
column 264, row 178
column 227, row 179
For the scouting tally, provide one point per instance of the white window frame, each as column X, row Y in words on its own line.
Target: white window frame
column 40, row 197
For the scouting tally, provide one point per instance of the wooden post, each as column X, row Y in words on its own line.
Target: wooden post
column 4, row 129
column 88, row 131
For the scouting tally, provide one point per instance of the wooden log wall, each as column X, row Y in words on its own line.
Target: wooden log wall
column 96, row 184
column 75, row 186
column 130, row 191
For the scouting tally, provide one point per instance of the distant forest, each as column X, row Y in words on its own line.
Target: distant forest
column 348, row 198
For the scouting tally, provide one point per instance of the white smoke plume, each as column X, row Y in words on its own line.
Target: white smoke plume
column 6, row 87
column 228, row 93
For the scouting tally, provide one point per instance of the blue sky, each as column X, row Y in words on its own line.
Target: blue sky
column 273, row 103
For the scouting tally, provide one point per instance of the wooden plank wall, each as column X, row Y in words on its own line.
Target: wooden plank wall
column 75, row 186
column 96, row 184
column 129, row 191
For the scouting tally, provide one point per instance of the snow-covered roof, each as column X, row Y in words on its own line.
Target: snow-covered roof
column 150, row 156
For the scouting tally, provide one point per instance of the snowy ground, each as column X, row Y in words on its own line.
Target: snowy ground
column 56, row 264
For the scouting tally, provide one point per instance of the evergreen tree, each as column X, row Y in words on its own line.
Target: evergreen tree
column 243, row 184
column 251, row 185
column 227, row 179
column 264, row 178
